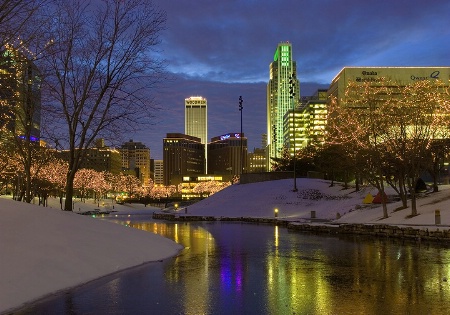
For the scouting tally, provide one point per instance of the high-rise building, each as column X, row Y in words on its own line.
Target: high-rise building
column 227, row 154
column 20, row 94
column 136, row 157
column 295, row 129
column 283, row 81
column 158, row 172
column 196, row 120
column 183, row 155
column 310, row 120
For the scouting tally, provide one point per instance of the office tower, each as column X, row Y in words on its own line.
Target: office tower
column 280, row 99
column 158, row 172
column 227, row 154
column 20, row 94
column 136, row 157
column 196, row 120
column 183, row 156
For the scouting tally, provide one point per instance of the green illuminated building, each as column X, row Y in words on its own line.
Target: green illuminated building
column 279, row 100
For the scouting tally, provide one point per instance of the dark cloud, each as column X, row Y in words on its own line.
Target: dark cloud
column 222, row 49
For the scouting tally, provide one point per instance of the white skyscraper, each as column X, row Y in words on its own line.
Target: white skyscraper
column 196, row 120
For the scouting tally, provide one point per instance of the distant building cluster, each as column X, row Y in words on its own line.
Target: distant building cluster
column 293, row 122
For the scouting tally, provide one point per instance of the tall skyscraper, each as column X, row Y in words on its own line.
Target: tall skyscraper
column 283, row 76
column 196, row 119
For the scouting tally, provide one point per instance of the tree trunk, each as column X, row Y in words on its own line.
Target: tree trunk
column 69, row 191
column 403, row 195
column 413, row 203
column 381, row 191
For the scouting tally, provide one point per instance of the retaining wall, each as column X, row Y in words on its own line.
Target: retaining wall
column 379, row 230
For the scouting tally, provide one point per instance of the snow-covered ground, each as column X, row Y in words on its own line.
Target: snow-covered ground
column 45, row 250
column 261, row 200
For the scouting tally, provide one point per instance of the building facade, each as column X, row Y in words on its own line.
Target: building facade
column 310, row 122
column 257, row 162
column 376, row 75
column 295, row 130
column 183, row 155
column 227, row 154
column 283, row 81
column 136, row 158
column 158, row 172
column 99, row 158
column 196, row 120
column 20, row 94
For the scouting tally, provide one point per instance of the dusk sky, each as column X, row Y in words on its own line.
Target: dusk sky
column 222, row 49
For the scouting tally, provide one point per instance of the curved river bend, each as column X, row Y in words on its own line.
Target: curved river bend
column 239, row 268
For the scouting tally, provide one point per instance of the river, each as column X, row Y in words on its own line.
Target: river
column 243, row 268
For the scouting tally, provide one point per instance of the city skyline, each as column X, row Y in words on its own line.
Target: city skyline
column 220, row 51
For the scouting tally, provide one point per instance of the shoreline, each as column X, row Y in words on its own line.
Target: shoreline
column 439, row 233
column 52, row 295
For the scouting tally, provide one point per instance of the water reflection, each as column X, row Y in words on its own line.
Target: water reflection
column 233, row 268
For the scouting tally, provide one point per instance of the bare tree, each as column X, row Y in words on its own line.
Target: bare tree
column 100, row 67
column 15, row 21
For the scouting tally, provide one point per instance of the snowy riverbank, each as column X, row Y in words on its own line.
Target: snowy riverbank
column 46, row 250
column 261, row 199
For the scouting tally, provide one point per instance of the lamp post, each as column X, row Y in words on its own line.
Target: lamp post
column 242, row 148
column 292, row 97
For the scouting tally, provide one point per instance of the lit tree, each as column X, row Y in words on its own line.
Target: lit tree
column 209, row 188
column 439, row 150
column 19, row 107
column 160, row 191
column 130, row 184
column 392, row 129
column 8, row 166
column 99, row 67
column 51, row 178
column 146, row 190
column 88, row 180
column 418, row 116
column 358, row 124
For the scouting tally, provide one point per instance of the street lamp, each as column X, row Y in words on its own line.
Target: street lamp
column 242, row 148
column 276, row 212
column 292, row 97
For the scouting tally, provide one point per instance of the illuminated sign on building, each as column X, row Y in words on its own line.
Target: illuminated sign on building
column 230, row 135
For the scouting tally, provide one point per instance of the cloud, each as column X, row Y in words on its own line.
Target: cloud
column 222, row 49
column 233, row 41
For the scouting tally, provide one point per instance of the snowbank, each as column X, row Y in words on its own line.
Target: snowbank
column 44, row 250
column 328, row 203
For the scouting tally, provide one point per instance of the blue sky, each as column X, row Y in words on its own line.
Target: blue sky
column 222, row 49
